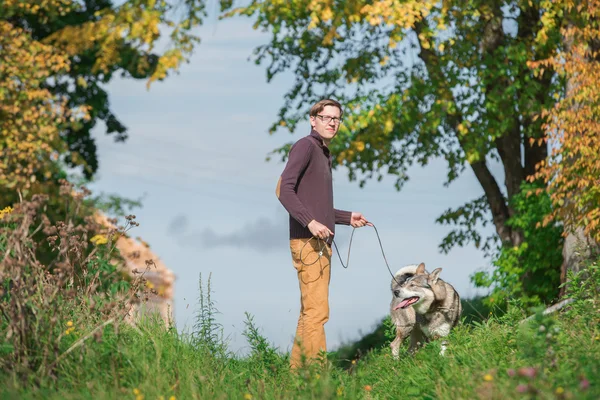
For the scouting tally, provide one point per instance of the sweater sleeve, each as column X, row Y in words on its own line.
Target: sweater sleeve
column 342, row 217
column 298, row 160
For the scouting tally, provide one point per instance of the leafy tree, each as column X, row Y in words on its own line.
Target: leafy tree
column 31, row 117
column 572, row 124
column 100, row 40
column 423, row 80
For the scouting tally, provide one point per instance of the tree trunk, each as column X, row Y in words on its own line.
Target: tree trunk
column 496, row 200
column 578, row 248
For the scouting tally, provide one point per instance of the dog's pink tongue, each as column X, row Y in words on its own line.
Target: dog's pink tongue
column 406, row 302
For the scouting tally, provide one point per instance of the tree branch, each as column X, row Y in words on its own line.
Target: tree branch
column 492, row 191
column 509, row 142
column 528, row 20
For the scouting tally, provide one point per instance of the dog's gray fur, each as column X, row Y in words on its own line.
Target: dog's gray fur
column 432, row 316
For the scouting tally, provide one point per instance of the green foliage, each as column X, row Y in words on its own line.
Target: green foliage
column 57, row 289
column 530, row 271
column 584, row 288
column 263, row 357
column 115, row 205
column 381, row 336
column 545, row 341
column 467, row 219
column 475, row 312
column 110, row 279
column 208, row 333
column 573, row 166
column 546, row 356
column 501, row 358
column 104, row 39
column 390, row 329
column 420, row 81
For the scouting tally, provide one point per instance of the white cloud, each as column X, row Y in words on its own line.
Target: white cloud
column 262, row 235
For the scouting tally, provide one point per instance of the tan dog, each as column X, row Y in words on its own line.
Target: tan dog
column 423, row 306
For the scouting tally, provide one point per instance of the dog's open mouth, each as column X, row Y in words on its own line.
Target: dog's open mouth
column 407, row 302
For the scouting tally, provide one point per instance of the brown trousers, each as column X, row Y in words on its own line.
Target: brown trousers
column 314, row 273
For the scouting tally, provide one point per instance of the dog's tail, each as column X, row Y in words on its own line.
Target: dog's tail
column 408, row 270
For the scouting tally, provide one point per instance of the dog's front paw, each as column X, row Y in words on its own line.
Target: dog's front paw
column 443, row 348
column 395, row 350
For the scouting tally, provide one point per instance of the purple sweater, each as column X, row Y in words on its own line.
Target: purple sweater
column 305, row 188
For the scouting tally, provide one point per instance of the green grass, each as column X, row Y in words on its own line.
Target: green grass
column 59, row 339
column 151, row 360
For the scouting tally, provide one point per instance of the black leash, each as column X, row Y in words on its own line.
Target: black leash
column 349, row 248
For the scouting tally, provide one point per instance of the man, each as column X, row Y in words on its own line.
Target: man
column 306, row 191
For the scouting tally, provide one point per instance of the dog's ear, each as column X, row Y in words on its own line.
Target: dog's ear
column 420, row 269
column 434, row 276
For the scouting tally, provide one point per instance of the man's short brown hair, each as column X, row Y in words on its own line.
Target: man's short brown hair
column 318, row 107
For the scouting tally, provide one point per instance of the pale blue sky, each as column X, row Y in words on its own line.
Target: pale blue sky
column 196, row 152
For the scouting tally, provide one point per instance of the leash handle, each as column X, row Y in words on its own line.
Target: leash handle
column 320, row 251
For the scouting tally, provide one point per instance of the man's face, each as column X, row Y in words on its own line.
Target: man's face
column 327, row 122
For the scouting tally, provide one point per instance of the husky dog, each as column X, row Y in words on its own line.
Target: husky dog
column 423, row 306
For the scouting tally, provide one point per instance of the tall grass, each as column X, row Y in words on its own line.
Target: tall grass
column 498, row 355
column 58, row 290
column 546, row 357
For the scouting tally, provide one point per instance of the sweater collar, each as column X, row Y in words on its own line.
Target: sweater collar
column 316, row 135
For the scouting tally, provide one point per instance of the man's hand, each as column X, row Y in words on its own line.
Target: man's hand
column 319, row 230
column 357, row 220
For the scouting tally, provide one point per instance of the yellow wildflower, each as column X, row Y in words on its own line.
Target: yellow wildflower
column 136, row 391
column 560, row 390
column 172, row 398
column 340, row 391
column 488, row 378
column 5, row 211
column 247, row 396
column 99, row 239
column 70, row 323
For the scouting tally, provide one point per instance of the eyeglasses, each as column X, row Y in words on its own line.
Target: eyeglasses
column 326, row 119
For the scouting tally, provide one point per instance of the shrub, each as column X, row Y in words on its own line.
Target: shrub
column 529, row 272
column 49, row 308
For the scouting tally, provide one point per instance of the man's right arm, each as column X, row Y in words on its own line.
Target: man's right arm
column 298, row 160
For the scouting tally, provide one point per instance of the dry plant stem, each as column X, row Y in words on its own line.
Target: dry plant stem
column 4, row 313
column 556, row 307
column 36, row 230
column 35, row 286
column 475, row 308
